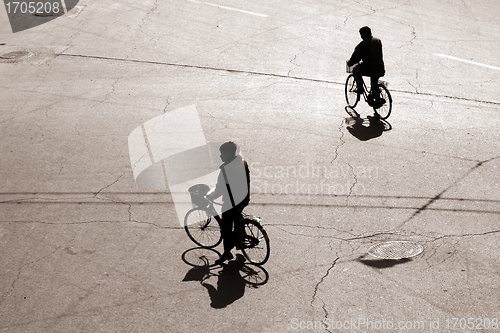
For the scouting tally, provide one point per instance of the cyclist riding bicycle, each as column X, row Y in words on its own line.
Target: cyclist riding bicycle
column 369, row 59
column 233, row 185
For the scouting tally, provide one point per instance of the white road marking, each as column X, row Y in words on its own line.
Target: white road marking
column 230, row 8
column 467, row 61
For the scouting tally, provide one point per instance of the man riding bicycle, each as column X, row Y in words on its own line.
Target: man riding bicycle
column 368, row 55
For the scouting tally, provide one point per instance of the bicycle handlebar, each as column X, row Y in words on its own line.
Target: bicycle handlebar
column 212, row 201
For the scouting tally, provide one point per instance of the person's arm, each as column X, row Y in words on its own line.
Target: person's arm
column 357, row 55
column 218, row 190
column 247, row 171
column 355, row 58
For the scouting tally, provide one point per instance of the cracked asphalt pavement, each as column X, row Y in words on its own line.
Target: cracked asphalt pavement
column 83, row 249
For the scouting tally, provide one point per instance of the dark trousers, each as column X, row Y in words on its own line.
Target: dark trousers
column 360, row 71
column 230, row 227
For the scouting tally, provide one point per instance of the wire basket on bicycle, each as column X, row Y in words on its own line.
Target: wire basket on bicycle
column 198, row 193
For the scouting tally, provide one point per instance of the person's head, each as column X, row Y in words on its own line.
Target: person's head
column 228, row 151
column 365, row 33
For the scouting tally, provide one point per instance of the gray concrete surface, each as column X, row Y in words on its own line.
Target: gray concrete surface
column 83, row 249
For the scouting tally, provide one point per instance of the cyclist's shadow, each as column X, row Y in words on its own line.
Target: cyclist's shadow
column 366, row 129
column 232, row 279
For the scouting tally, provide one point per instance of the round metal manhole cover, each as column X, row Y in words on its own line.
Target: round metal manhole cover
column 396, row 250
column 15, row 56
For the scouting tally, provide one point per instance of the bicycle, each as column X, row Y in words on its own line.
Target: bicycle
column 202, row 225
column 382, row 106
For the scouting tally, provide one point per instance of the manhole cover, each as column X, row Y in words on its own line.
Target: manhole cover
column 37, row 56
column 16, row 55
column 395, row 250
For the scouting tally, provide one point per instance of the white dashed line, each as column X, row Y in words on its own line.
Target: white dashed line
column 467, row 61
column 230, row 8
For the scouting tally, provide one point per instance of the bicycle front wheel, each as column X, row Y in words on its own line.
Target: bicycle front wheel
column 384, row 111
column 203, row 229
column 351, row 93
column 254, row 242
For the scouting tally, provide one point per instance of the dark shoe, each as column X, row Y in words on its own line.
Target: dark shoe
column 224, row 257
column 379, row 103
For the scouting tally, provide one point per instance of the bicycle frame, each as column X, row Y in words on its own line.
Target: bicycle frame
column 365, row 89
column 210, row 209
column 381, row 103
column 213, row 212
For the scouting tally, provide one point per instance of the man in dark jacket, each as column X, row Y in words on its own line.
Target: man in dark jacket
column 368, row 55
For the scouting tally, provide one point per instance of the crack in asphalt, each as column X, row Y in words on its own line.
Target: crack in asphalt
column 368, row 6
column 103, row 100
column 414, row 34
column 434, row 251
column 327, row 314
column 316, row 287
column 238, row 71
column 413, row 31
column 380, row 234
column 353, row 184
column 417, row 85
column 167, row 104
column 107, row 186
column 342, row 141
column 150, row 11
column 129, row 220
column 293, row 63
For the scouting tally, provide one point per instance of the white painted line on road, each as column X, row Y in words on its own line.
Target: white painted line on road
column 230, row 8
column 466, row 61
column 330, row 30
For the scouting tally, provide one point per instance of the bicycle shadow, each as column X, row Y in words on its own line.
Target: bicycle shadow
column 368, row 128
column 232, row 277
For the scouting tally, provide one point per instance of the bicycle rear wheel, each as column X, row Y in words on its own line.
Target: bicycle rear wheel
column 351, row 94
column 203, row 229
column 254, row 242
column 384, row 111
